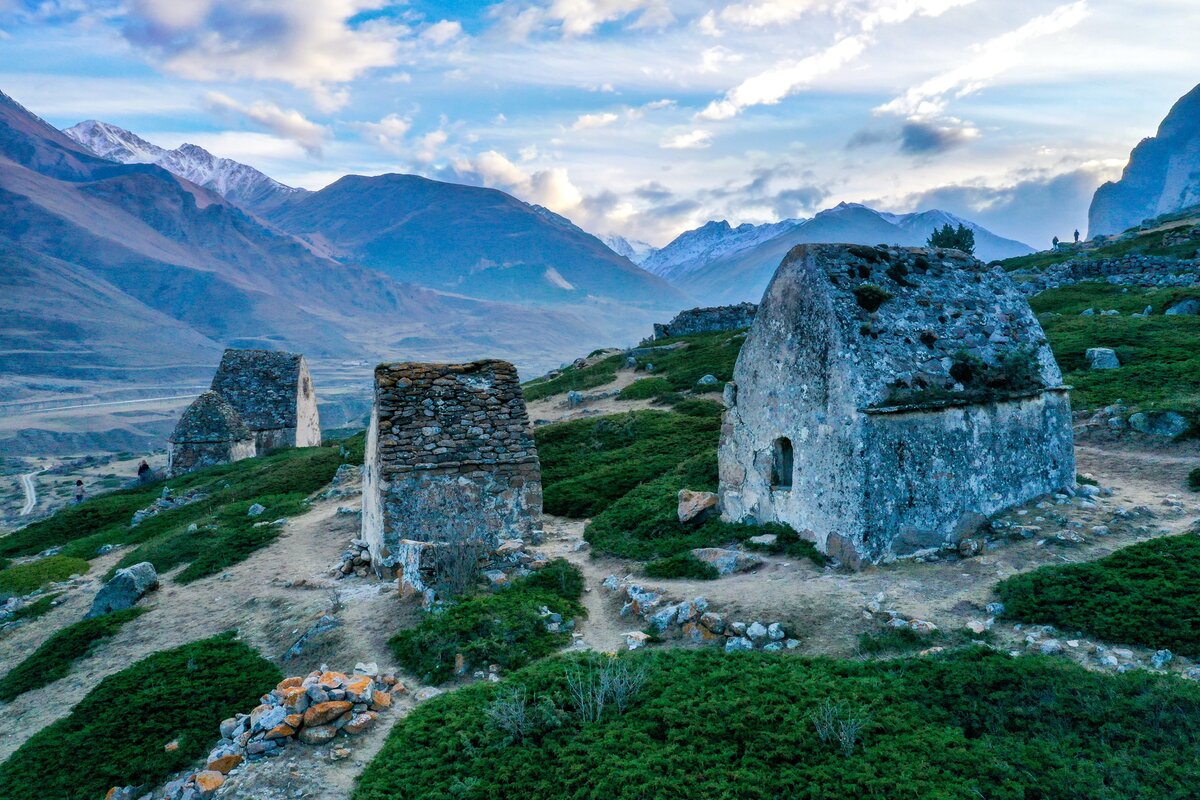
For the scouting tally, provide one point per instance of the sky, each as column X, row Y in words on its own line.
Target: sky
column 643, row 118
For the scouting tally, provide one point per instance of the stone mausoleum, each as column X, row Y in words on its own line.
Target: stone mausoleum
column 272, row 391
column 210, row 432
column 261, row 397
column 887, row 399
column 450, row 461
column 707, row 320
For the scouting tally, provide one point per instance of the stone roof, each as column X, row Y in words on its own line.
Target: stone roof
column 882, row 321
column 210, row 419
column 261, row 385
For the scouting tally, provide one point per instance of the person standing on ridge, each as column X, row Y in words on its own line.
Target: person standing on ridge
column 79, row 492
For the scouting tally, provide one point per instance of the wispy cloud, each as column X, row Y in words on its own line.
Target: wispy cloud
column 695, row 140
column 590, row 121
column 288, row 123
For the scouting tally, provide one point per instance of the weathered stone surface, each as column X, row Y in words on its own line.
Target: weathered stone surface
column 1189, row 307
column 124, row 589
column 450, row 460
column 707, row 320
column 831, row 429
column 1160, row 423
column 208, row 781
column 325, row 712
column 1102, row 358
column 726, row 562
column 224, row 764
column 209, row 432
column 696, row 506
column 317, row 734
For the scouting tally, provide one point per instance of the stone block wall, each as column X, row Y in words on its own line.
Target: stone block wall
column 450, row 459
column 707, row 320
column 190, row 456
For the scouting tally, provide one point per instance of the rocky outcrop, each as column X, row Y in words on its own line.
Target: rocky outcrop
column 1131, row 270
column 1163, row 174
column 124, row 589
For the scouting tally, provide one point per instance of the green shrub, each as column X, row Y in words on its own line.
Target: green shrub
column 54, row 658
column 505, row 628
column 588, row 464
column 787, row 542
column 1145, row 594
column 575, row 379
column 115, row 736
column 24, row 578
column 705, row 354
column 645, row 388
column 1194, row 480
column 681, row 565
column 37, row 608
column 704, row 724
column 870, row 297
column 896, row 640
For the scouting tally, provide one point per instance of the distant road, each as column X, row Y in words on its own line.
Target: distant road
column 30, row 493
column 34, row 408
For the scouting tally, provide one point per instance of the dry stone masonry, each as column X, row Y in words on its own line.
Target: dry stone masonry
column 259, row 400
column 707, row 320
column 888, row 399
column 451, row 463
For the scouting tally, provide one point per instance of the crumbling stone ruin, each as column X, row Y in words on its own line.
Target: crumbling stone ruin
column 273, row 393
column 209, row 432
column 707, row 320
column 259, row 400
column 887, row 399
column 451, row 467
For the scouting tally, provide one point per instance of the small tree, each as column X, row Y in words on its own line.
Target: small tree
column 948, row 238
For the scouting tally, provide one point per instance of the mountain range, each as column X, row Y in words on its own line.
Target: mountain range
column 130, row 275
column 718, row 263
column 1162, row 176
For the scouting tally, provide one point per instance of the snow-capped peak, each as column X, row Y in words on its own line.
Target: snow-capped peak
column 710, row 241
column 240, row 184
column 633, row 249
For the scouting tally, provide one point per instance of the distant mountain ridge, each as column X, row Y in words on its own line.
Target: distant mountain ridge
column 633, row 249
column 238, row 183
column 719, row 263
column 1162, row 176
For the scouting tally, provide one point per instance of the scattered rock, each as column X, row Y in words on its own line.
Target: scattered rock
column 707, row 380
column 125, row 588
column 1102, row 358
column 1160, row 423
column 696, row 506
column 255, row 510
column 726, row 562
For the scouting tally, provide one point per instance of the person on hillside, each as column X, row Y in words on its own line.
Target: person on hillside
column 79, row 491
column 1076, row 236
column 144, row 471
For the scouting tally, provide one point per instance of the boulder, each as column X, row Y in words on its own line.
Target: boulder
column 317, row 734
column 1102, row 358
column 208, row 782
column 255, row 510
column 757, row 632
column 707, row 380
column 696, row 506
column 1189, row 307
column 325, row 712
column 726, row 562
column 1160, row 423
column 125, row 589
column 738, row 643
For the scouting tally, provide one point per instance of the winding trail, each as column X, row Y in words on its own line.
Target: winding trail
column 30, row 493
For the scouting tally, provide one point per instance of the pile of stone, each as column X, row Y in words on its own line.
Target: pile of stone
column 875, row 610
column 355, row 560
column 707, row 320
column 1130, row 270
column 510, row 561
column 312, row 709
column 166, row 502
column 691, row 620
column 347, row 482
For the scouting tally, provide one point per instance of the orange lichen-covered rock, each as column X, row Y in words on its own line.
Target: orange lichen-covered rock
column 295, row 720
column 360, row 723
column 322, row 713
column 208, row 781
column 224, row 764
column 289, row 683
column 359, row 689
column 381, row 701
column 281, row 731
column 294, row 698
column 332, row 680
column 171, row 746
column 318, row 734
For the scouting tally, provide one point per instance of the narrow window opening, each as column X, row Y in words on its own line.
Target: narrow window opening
column 781, row 464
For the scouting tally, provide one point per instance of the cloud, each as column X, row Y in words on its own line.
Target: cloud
column 551, row 188
column 290, row 124
column 388, row 132
column 696, row 140
column 788, row 77
column 576, row 18
column 1034, row 207
column 992, row 58
column 923, row 138
column 317, row 45
column 589, row 121
column 798, row 202
column 443, row 32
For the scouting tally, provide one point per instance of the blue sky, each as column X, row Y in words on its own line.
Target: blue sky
column 638, row 117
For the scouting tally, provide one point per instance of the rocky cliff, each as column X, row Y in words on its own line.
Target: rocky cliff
column 1163, row 174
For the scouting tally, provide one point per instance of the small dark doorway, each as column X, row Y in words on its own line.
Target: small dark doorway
column 781, row 464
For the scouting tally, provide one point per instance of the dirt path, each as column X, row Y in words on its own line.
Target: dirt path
column 30, row 488
column 555, row 408
column 270, row 599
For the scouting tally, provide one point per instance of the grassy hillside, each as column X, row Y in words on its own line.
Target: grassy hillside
column 757, row 726
column 224, row 534
column 1159, row 354
column 1145, row 241
column 116, row 735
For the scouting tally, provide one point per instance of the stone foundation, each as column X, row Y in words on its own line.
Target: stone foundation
column 707, row 320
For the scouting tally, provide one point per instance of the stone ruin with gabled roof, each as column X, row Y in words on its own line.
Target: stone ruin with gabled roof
column 450, row 462
column 887, row 400
column 265, row 397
